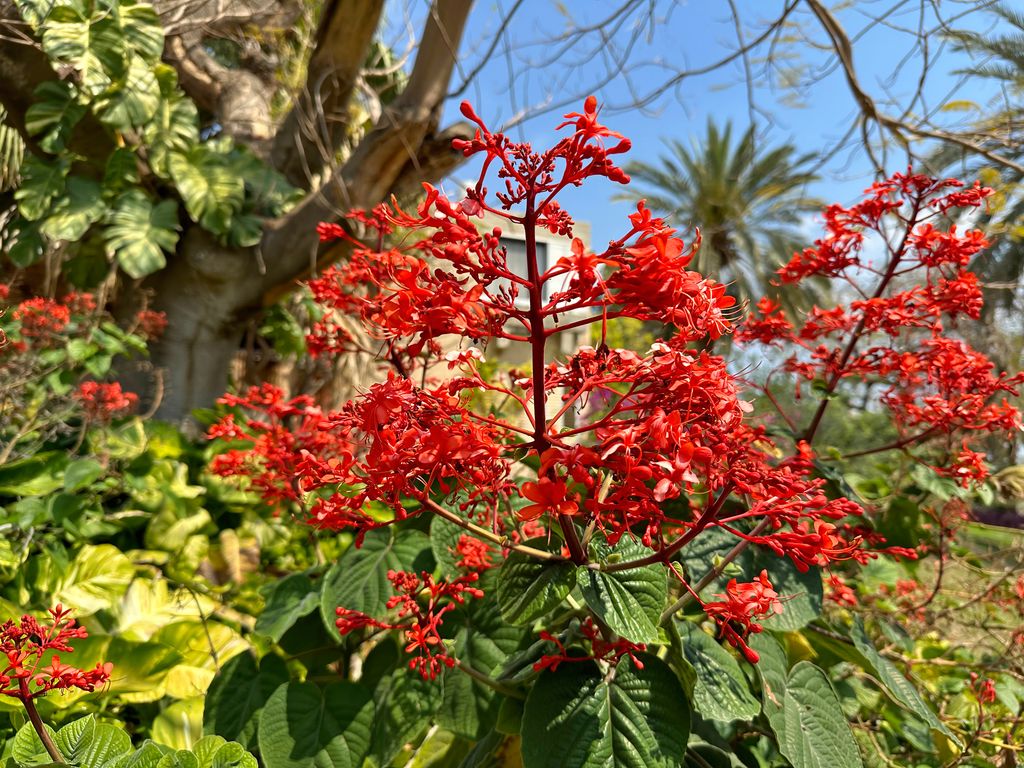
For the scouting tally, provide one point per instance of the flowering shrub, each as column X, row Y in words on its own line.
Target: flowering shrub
column 576, row 563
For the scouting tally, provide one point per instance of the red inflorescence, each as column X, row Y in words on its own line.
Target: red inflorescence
column 650, row 428
column 421, row 603
column 23, row 646
column 103, row 402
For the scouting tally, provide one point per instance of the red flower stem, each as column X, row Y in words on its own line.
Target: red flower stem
column 890, row 273
column 664, row 554
column 477, row 530
column 37, row 723
column 694, row 592
column 538, row 337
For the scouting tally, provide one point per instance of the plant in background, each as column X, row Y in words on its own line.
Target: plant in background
column 571, row 570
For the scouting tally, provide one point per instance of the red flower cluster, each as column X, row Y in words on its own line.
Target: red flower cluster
column 609, row 651
column 742, row 604
column 103, row 402
column 151, row 323
column 41, row 319
column 23, row 646
column 650, row 428
column 938, row 387
column 420, row 623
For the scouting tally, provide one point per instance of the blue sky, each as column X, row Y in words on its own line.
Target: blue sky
column 688, row 34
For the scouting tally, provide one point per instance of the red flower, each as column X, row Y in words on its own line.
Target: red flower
column 23, row 645
column 548, row 497
column 103, row 402
column 41, row 319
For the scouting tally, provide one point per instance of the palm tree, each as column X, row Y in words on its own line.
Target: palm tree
column 747, row 199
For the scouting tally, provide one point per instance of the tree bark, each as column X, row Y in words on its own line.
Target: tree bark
column 210, row 292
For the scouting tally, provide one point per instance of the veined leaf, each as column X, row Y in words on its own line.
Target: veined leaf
column 53, row 114
column 721, row 691
column 140, row 232
column 75, row 211
column 41, row 182
column 529, row 588
column 133, row 99
column 630, row 601
column 90, row 42
column 578, row 717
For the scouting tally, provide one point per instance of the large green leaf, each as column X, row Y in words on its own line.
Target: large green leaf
column 174, row 128
column 288, row 600
column 303, row 726
column 90, row 41
column 528, row 588
column 54, row 112
column 27, row 749
column 811, row 727
column 893, row 681
column 74, row 739
column 359, row 580
column 211, row 192
column 237, row 695
column 721, row 691
column 579, row 717
column 132, row 100
column 405, row 704
column 36, row 475
column 75, row 211
column 630, row 602
column 140, row 232
column 142, row 31
column 41, row 182
column 180, row 725
column 96, row 579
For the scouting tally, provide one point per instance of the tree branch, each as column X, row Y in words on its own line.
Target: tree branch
column 312, row 132
column 382, row 157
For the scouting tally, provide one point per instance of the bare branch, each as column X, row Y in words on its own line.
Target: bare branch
column 382, row 159
column 313, row 130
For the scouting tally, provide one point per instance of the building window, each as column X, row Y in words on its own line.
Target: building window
column 516, row 250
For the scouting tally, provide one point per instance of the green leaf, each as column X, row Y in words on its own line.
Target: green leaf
column 142, row 31
column 41, row 182
column 359, row 579
column 132, row 100
column 630, row 602
column 238, row 694
column 107, row 743
column 122, row 170
column 721, row 691
column 180, row 725
column 90, row 42
column 303, row 726
column 80, row 473
column 288, row 600
column 895, row 684
column 811, row 728
column 74, row 738
column 24, row 243
column 140, row 232
column 405, row 705
column 175, row 126
column 96, row 579
column 36, row 475
column 528, row 588
column 579, row 717
column 802, row 593
column 54, row 112
column 27, row 749
column 772, row 668
column 75, row 211
column 229, row 755
column 212, row 194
